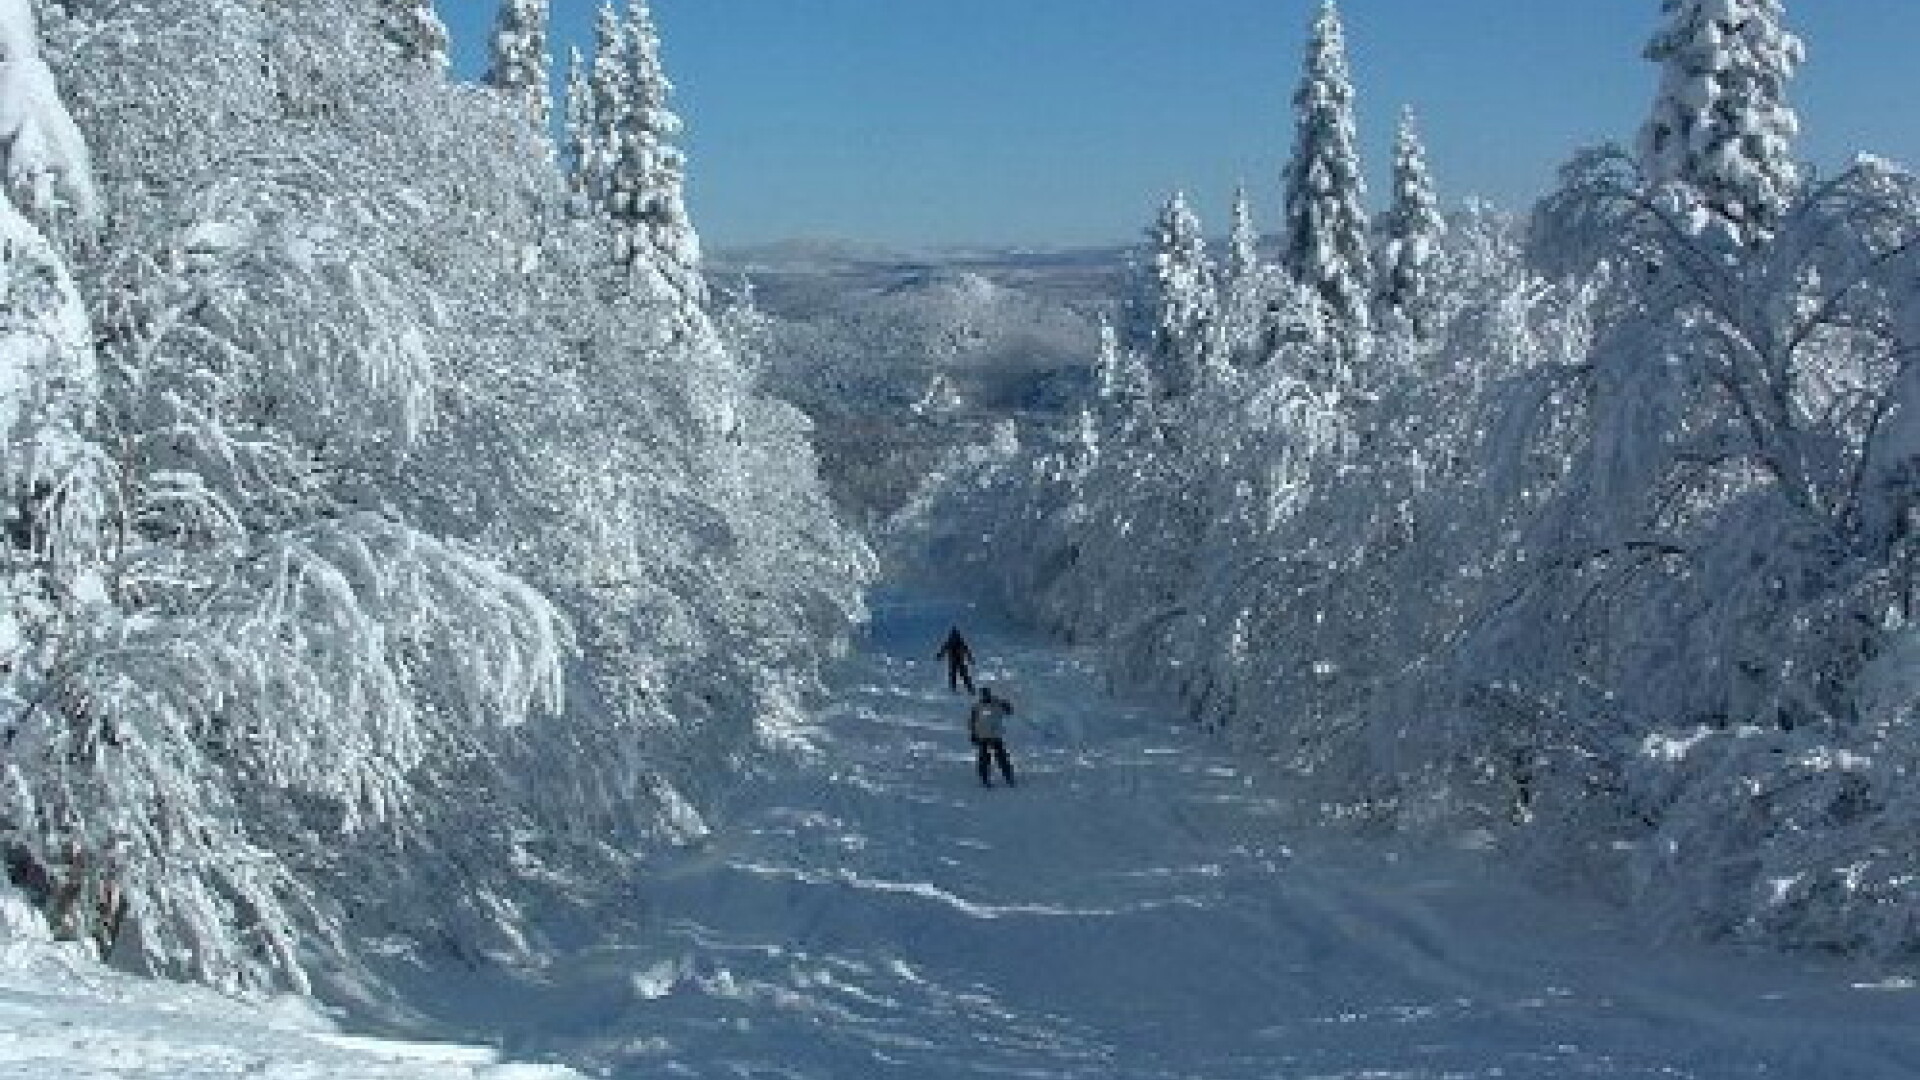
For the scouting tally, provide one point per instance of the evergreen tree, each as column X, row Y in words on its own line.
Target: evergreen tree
column 1177, row 310
column 645, row 184
column 1121, row 383
column 1106, row 364
column 1243, row 255
column 579, row 143
column 1410, row 234
column 1251, row 299
column 606, row 104
column 1721, row 126
column 519, row 56
column 1324, row 242
column 1120, row 407
column 415, row 31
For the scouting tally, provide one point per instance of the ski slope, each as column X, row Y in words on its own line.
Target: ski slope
column 1138, row 908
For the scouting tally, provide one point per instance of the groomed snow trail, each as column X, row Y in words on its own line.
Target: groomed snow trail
column 1137, row 909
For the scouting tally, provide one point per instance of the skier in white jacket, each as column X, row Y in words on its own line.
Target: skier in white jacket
column 986, row 725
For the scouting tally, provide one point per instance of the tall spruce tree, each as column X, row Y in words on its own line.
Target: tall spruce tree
column 1178, row 306
column 1249, row 292
column 607, row 102
column 645, row 186
column 1720, row 125
column 520, row 64
column 1243, row 242
column 580, row 144
column 1410, row 234
column 1324, row 237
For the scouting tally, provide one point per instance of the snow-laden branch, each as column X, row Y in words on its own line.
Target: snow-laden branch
column 45, row 159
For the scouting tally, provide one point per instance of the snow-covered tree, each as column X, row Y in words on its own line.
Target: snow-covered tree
column 57, row 481
column 352, row 495
column 605, row 113
column 1122, row 385
column 48, row 168
column 414, row 29
column 1176, row 310
column 581, row 157
column 520, row 61
column 1721, row 126
column 1409, row 236
column 1260, row 308
column 1630, row 574
column 646, row 178
column 1107, row 375
column 1243, row 242
column 1324, row 235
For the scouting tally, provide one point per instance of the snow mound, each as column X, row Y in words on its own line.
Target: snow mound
column 63, row 1015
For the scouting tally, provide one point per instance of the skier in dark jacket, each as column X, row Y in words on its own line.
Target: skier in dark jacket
column 959, row 661
column 986, row 725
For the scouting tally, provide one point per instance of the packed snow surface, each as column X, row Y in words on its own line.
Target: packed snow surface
column 1139, row 907
column 1142, row 907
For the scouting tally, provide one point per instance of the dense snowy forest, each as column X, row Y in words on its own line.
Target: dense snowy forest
column 1595, row 525
column 407, row 531
column 395, row 537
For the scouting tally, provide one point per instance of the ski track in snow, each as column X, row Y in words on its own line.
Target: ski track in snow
column 1138, row 909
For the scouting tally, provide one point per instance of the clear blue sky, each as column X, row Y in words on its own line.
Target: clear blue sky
column 1067, row 121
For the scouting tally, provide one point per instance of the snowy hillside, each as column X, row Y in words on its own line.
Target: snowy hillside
column 438, row 632
column 901, row 360
column 1145, row 905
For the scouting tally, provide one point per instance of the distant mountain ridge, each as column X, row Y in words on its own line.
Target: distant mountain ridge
column 803, row 277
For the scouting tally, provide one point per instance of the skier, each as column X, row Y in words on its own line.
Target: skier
column 986, row 725
column 959, row 661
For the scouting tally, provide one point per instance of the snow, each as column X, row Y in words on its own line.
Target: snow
column 63, row 1016
column 42, row 151
column 1144, row 905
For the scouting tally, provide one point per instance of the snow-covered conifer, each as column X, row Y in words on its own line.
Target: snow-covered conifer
column 581, row 145
column 1324, row 237
column 1243, row 242
column 1106, row 363
column 646, row 179
column 1410, row 234
column 415, row 30
column 520, row 60
column 607, row 101
column 1122, row 386
column 1178, row 306
column 1721, row 125
column 1252, row 294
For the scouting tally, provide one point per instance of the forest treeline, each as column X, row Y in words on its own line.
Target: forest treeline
column 1594, row 525
column 396, row 536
